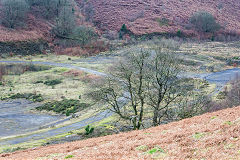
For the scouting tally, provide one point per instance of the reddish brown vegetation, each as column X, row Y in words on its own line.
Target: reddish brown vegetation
column 141, row 16
column 87, row 50
column 209, row 136
column 74, row 73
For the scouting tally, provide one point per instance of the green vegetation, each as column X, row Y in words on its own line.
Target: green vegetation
column 88, row 130
column 83, row 35
column 155, row 150
column 123, row 31
column 66, row 106
column 28, row 96
column 51, row 82
column 14, row 13
column 163, row 21
column 13, row 149
column 204, row 22
column 65, row 22
column 198, row 135
column 69, row 156
column 228, row 123
column 143, row 148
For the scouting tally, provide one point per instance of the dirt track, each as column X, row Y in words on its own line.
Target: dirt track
column 209, row 136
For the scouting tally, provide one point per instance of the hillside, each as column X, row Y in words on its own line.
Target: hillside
column 145, row 16
column 140, row 17
column 209, row 136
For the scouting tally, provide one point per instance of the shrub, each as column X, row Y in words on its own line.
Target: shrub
column 52, row 82
column 233, row 96
column 28, row 96
column 204, row 22
column 123, row 31
column 14, row 13
column 66, row 106
column 163, row 21
column 89, row 130
column 193, row 105
column 179, row 33
column 83, row 35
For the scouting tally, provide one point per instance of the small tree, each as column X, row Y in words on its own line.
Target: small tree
column 89, row 11
column 123, row 31
column 83, row 35
column 65, row 22
column 125, row 90
column 204, row 22
column 145, row 81
column 14, row 13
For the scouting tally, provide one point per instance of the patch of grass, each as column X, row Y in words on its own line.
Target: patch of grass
column 229, row 146
column 213, row 117
column 69, row 156
column 155, row 150
column 12, row 149
column 143, row 148
column 147, row 133
column 28, row 96
column 228, row 123
column 66, row 106
column 198, row 135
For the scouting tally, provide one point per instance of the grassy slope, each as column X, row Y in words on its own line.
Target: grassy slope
column 209, row 136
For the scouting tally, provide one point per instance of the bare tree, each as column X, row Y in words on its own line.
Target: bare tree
column 147, row 84
column 125, row 89
column 14, row 13
column 204, row 22
column 163, row 83
column 233, row 95
column 65, row 22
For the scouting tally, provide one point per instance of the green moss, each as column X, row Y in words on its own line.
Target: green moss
column 69, row 156
column 143, row 148
column 213, row 117
column 155, row 150
column 228, row 123
column 198, row 135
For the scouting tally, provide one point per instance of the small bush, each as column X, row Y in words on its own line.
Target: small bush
column 28, row 96
column 66, row 106
column 69, row 156
column 123, row 31
column 52, row 82
column 204, row 22
column 163, row 21
column 89, row 130
column 83, row 35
